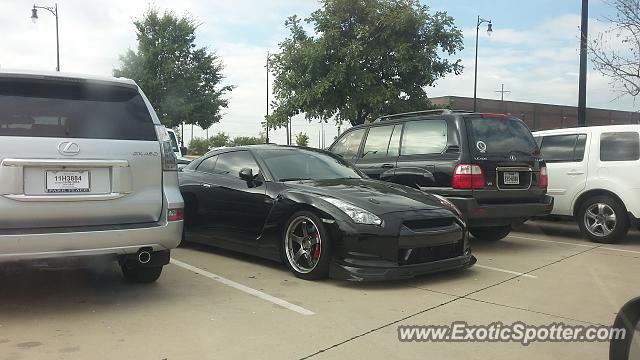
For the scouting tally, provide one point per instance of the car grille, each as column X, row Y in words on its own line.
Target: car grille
column 428, row 254
column 428, row 224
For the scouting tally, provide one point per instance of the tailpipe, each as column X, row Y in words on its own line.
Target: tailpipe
column 144, row 256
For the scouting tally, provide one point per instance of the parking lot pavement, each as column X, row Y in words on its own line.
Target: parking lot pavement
column 235, row 306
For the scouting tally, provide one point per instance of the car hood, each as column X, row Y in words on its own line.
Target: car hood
column 376, row 196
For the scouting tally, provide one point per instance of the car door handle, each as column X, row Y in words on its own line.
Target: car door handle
column 208, row 186
column 574, row 172
column 387, row 166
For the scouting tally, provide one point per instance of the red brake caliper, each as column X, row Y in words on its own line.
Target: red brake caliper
column 316, row 248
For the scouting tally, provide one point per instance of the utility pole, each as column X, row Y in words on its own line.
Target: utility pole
column 266, row 122
column 502, row 91
column 582, row 82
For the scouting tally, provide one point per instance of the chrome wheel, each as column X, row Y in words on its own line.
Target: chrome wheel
column 303, row 244
column 600, row 219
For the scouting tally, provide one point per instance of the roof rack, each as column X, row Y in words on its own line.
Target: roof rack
column 419, row 113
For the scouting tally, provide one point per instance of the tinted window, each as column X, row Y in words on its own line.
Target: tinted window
column 174, row 141
column 424, row 137
column 287, row 164
column 377, row 143
column 232, row 162
column 73, row 110
column 347, row 146
column 500, row 136
column 580, row 145
column 394, row 144
column 619, row 146
column 559, row 148
column 208, row 165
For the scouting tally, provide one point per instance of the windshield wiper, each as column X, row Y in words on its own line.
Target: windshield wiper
column 293, row 179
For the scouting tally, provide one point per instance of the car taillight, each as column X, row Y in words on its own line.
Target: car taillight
column 168, row 157
column 543, row 179
column 467, row 177
column 175, row 214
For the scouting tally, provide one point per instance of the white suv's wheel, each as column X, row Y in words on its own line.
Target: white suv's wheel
column 603, row 219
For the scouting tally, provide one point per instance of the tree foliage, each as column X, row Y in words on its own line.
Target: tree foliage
column 248, row 140
column 302, row 139
column 219, row 140
column 616, row 51
column 366, row 58
column 199, row 146
column 181, row 81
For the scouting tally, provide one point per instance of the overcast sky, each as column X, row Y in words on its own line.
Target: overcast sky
column 533, row 50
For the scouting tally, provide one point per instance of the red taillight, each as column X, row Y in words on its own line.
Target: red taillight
column 175, row 214
column 495, row 116
column 467, row 177
column 543, row 179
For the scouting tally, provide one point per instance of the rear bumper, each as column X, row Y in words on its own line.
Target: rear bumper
column 88, row 241
column 344, row 270
column 501, row 214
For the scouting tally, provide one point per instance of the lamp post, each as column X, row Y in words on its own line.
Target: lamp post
column 54, row 11
column 475, row 78
column 266, row 118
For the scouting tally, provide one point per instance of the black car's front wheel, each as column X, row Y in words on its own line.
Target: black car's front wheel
column 306, row 246
column 490, row 233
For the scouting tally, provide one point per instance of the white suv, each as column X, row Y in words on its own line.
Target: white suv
column 86, row 169
column 594, row 177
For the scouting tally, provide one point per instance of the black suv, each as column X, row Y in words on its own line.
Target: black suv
column 489, row 165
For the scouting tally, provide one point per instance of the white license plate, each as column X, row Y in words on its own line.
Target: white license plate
column 67, row 181
column 512, row 178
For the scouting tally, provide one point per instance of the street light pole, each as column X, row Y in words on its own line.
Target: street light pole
column 54, row 11
column 266, row 118
column 475, row 72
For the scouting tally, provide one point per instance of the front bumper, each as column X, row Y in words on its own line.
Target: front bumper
column 410, row 243
column 343, row 270
column 501, row 214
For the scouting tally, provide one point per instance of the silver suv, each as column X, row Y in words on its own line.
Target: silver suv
column 86, row 169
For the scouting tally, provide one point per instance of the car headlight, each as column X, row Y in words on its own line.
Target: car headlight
column 448, row 204
column 358, row 215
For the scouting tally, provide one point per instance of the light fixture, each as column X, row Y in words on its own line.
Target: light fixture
column 34, row 14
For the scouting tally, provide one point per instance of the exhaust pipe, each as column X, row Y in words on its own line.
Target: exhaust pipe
column 144, row 256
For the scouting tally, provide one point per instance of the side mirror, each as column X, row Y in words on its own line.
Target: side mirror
column 246, row 174
column 628, row 318
column 183, row 150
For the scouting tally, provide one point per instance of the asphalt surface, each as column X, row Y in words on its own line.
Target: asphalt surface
column 215, row 304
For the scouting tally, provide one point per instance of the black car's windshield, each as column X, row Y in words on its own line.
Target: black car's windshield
column 299, row 164
column 500, row 136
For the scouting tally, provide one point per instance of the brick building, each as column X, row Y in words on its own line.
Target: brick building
column 540, row 116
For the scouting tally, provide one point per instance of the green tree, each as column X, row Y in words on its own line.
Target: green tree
column 219, row 140
column 302, row 139
column 366, row 58
column 198, row 146
column 181, row 81
column 248, row 140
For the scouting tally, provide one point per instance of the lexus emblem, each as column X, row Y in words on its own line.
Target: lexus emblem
column 68, row 148
column 512, row 157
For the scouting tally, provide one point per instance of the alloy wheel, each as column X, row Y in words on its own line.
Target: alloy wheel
column 600, row 219
column 303, row 244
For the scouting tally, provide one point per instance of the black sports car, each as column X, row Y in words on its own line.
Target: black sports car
column 319, row 215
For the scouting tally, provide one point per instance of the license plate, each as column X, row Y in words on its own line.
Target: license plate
column 512, row 178
column 67, row 181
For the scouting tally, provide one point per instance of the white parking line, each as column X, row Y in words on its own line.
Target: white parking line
column 575, row 244
column 551, row 241
column 246, row 289
column 506, row 271
column 624, row 250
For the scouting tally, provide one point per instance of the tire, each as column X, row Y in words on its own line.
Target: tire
column 490, row 233
column 608, row 215
column 141, row 275
column 300, row 250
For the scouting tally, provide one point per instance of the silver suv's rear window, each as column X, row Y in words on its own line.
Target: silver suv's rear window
column 43, row 108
